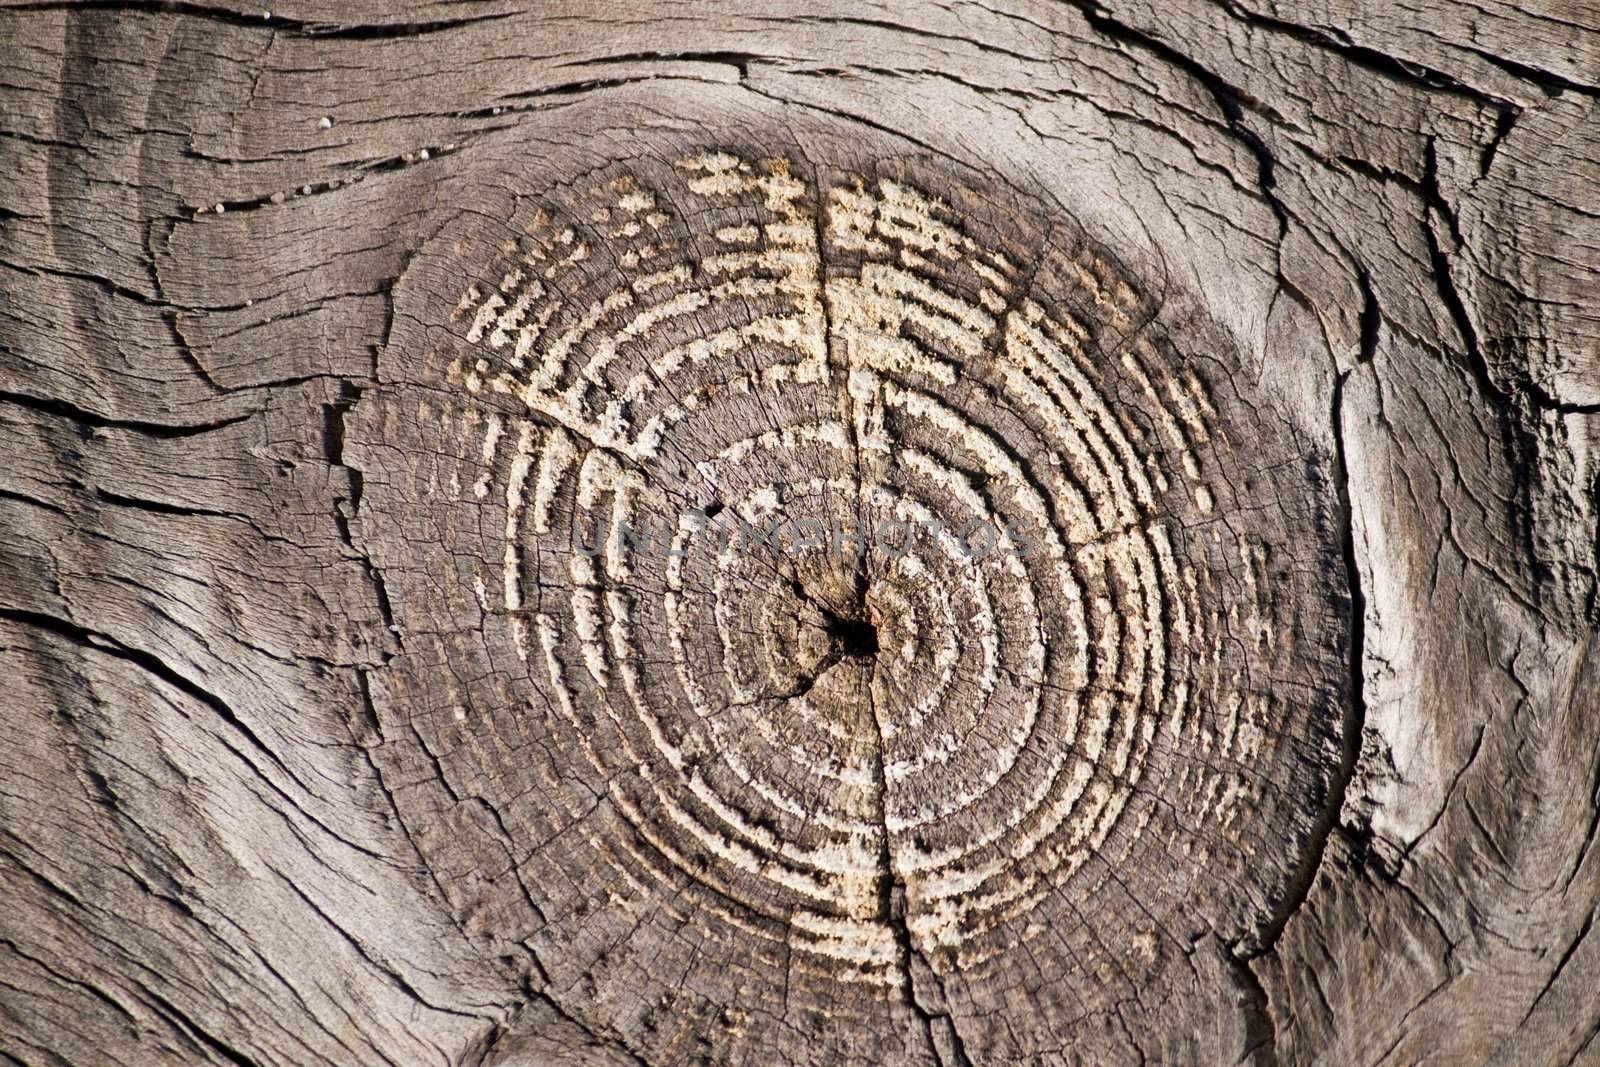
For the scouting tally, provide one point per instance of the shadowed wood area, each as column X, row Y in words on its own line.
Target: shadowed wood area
column 976, row 534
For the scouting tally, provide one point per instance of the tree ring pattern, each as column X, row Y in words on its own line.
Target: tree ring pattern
column 784, row 775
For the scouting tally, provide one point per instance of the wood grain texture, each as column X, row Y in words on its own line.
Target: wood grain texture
column 417, row 652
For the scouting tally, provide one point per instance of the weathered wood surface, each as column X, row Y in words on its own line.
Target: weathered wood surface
column 1271, row 338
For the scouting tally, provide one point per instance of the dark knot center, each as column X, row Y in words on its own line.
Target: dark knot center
column 853, row 637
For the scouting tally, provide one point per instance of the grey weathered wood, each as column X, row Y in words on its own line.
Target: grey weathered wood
column 302, row 767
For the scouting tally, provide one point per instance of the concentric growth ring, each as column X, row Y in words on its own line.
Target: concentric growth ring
column 850, row 575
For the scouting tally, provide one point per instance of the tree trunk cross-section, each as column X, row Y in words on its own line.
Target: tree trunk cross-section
column 1008, row 533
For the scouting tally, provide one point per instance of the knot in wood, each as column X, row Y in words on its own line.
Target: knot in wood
column 821, row 568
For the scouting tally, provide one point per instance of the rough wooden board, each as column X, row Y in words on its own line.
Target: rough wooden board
column 283, row 788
